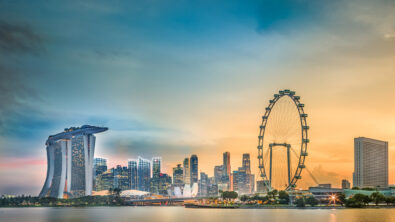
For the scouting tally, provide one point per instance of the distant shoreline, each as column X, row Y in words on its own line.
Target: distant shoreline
column 189, row 206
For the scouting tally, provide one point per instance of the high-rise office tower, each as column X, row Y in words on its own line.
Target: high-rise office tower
column 156, row 162
column 241, row 181
column 70, row 162
column 346, row 184
column 132, row 169
column 370, row 163
column 121, row 177
column 252, row 183
column 262, row 186
column 99, row 167
column 164, row 184
column 105, row 181
column 187, row 171
column 194, row 169
column 178, row 176
column 203, row 185
column 246, row 163
column 227, row 169
column 143, row 174
column 250, row 178
column 218, row 174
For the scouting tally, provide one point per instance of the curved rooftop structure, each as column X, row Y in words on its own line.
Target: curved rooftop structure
column 68, row 133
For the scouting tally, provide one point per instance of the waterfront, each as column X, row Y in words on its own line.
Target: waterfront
column 170, row 214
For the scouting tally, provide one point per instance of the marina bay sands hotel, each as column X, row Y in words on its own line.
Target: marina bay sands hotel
column 70, row 162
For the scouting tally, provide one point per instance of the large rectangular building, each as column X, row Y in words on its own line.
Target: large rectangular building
column 370, row 163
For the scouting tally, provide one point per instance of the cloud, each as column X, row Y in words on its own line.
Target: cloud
column 17, row 38
column 389, row 36
column 17, row 97
column 321, row 175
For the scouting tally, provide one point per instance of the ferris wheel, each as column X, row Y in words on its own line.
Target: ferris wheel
column 283, row 139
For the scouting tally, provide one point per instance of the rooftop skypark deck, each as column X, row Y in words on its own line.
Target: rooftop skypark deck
column 72, row 131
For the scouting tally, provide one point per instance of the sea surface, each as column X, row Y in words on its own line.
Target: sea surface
column 174, row 214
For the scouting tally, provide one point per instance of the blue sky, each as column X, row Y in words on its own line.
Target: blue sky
column 172, row 78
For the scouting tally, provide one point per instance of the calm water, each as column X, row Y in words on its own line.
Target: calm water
column 171, row 214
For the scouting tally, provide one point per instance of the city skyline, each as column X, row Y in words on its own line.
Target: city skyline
column 192, row 79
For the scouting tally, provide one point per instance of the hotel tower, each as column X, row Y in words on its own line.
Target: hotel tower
column 370, row 163
column 70, row 162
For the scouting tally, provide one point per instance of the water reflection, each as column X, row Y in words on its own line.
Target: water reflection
column 174, row 214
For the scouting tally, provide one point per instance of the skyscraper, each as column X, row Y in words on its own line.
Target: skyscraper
column 370, row 163
column 178, row 176
column 203, row 185
column 194, row 169
column 250, row 178
column 70, row 162
column 156, row 162
column 99, row 167
column 121, row 177
column 246, row 163
column 227, row 170
column 218, row 174
column 132, row 169
column 346, row 184
column 143, row 174
column 105, row 181
column 164, row 184
column 187, row 171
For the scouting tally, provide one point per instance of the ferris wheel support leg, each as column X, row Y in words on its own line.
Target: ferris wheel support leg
column 270, row 173
column 289, row 165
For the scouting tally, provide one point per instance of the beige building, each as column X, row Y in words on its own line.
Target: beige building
column 370, row 163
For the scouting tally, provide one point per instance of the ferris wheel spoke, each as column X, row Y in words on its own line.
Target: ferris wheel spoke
column 282, row 126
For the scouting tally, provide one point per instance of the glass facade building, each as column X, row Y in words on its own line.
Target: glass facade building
column 178, row 176
column 203, row 185
column 132, row 170
column 187, row 171
column 226, row 169
column 121, row 178
column 156, row 163
column 194, row 169
column 99, row 167
column 143, row 174
column 105, row 181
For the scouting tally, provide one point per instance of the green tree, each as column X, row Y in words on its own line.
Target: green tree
column 388, row 200
column 229, row 195
column 272, row 194
column 369, row 188
column 377, row 197
column 312, row 201
column 361, row 198
column 244, row 198
column 283, row 196
column 300, row 202
column 117, row 192
column 341, row 197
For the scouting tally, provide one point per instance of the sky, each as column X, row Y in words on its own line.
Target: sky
column 175, row 78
